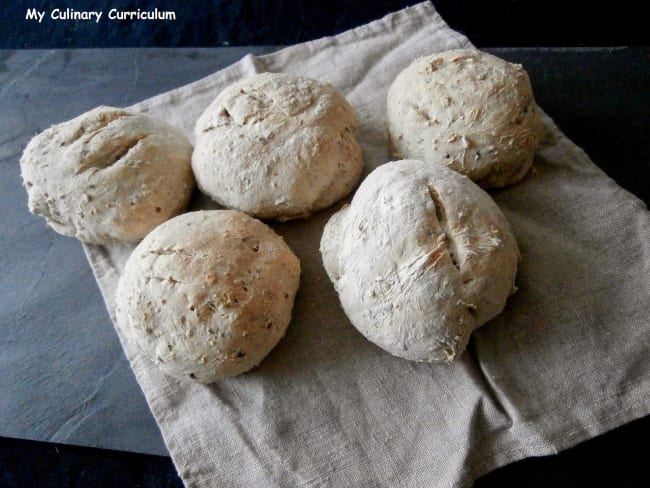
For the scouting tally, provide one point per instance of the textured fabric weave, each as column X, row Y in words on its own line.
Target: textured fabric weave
column 567, row 360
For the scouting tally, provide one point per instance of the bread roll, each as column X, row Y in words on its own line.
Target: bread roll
column 468, row 110
column 108, row 175
column 208, row 294
column 277, row 146
column 420, row 258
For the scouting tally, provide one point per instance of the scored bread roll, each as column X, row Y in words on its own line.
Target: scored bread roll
column 208, row 294
column 468, row 110
column 277, row 146
column 420, row 258
column 108, row 175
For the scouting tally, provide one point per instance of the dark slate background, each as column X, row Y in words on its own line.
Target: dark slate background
column 249, row 22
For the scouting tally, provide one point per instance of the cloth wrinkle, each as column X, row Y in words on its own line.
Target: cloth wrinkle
column 489, row 387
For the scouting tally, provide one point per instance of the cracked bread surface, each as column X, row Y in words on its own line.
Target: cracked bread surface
column 277, row 146
column 108, row 175
column 208, row 294
column 420, row 258
column 468, row 110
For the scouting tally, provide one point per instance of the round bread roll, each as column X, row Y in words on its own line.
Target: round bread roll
column 420, row 258
column 277, row 146
column 108, row 175
column 208, row 294
column 468, row 110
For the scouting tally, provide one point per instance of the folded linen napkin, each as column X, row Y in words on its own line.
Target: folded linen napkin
column 567, row 360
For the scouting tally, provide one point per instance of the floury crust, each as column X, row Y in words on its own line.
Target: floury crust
column 208, row 294
column 467, row 110
column 277, row 146
column 108, row 175
column 420, row 258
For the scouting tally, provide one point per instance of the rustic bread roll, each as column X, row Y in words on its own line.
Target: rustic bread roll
column 208, row 294
column 420, row 258
column 108, row 175
column 277, row 146
column 468, row 110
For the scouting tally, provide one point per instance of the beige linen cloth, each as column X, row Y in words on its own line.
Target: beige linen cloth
column 567, row 359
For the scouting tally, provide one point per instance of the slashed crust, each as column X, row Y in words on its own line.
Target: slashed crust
column 420, row 258
column 108, row 175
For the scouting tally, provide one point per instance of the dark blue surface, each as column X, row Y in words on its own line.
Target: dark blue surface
column 47, row 465
column 250, row 22
column 617, row 459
